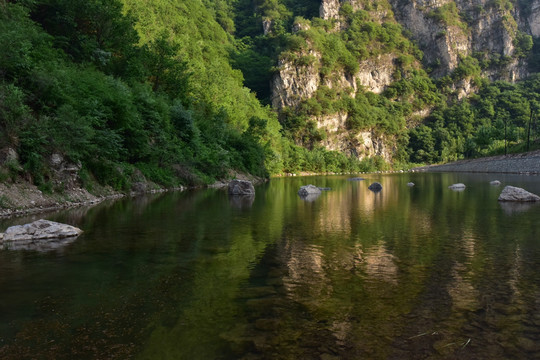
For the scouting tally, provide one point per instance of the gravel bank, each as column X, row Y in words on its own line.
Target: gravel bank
column 524, row 163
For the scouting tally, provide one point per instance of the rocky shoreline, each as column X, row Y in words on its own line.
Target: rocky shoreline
column 524, row 163
column 22, row 198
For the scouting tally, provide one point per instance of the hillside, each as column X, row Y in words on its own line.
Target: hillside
column 143, row 94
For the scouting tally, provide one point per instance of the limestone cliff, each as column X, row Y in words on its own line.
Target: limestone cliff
column 446, row 31
column 363, row 144
column 295, row 82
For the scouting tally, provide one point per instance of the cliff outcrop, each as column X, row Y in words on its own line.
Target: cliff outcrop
column 448, row 30
column 494, row 35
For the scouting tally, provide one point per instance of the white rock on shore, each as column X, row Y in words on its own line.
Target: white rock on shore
column 512, row 193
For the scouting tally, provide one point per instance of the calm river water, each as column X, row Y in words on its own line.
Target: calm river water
column 407, row 273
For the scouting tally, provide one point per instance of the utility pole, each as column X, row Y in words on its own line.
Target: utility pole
column 529, row 129
column 505, row 121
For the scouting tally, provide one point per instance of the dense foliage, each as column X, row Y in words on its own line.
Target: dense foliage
column 498, row 116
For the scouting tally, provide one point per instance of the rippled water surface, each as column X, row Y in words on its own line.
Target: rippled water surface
column 419, row 272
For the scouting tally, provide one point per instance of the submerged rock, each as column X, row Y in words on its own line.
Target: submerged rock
column 309, row 190
column 241, row 187
column 356, row 179
column 411, row 184
column 458, row 186
column 375, row 187
column 512, row 193
column 40, row 230
column 495, row 183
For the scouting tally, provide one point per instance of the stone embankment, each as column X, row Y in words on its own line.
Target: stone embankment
column 524, row 163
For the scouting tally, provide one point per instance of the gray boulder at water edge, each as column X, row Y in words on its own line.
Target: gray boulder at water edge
column 376, row 187
column 512, row 193
column 39, row 230
column 241, row 187
column 309, row 190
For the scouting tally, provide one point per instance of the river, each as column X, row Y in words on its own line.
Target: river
column 419, row 272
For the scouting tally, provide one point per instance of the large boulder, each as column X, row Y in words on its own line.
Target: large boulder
column 241, row 187
column 40, row 230
column 309, row 190
column 512, row 193
column 375, row 187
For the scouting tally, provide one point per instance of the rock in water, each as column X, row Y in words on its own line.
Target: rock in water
column 411, row 184
column 376, row 187
column 309, row 190
column 458, row 186
column 241, row 187
column 495, row 183
column 512, row 193
column 40, row 230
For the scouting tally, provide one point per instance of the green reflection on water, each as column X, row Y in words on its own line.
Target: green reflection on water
column 421, row 272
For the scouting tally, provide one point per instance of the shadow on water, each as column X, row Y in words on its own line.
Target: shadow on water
column 409, row 272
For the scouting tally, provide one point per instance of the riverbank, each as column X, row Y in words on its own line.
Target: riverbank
column 523, row 163
column 18, row 199
column 23, row 198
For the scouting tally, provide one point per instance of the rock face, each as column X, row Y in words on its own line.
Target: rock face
column 295, row 82
column 66, row 174
column 329, row 9
column 376, row 187
column 241, row 187
column 40, row 230
column 360, row 145
column 512, row 193
column 309, row 190
column 8, row 155
column 446, row 30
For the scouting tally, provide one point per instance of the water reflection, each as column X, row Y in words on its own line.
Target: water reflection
column 241, row 201
column 409, row 272
column 512, row 208
column 309, row 197
column 40, row 245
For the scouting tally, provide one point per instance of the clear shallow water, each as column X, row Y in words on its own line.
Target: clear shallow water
column 407, row 273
